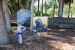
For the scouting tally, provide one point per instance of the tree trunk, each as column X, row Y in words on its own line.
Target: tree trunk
column 3, row 31
column 28, row 4
column 45, row 7
column 38, row 7
column 53, row 10
column 42, row 7
column 7, row 15
column 32, row 15
column 69, row 9
column 60, row 12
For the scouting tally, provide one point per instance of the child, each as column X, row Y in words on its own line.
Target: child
column 19, row 33
column 23, row 16
column 39, row 26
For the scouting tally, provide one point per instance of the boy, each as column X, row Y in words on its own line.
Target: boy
column 23, row 15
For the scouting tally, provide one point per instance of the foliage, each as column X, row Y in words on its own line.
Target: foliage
column 50, row 4
column 15, row 5
column 73, row 9
column 67, row 1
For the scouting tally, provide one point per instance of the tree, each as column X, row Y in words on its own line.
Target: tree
column 54, row 4
column 60, row 11
column 38, row 7
column 61, row 4
column 3, row 31
column 42, row 7
column 45, row 7
column 69, row 3
column 15, row 5
column 51, row 4
column 7, row 15
column 69, row 9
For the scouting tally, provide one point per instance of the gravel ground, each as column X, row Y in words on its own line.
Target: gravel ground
column 43, row 45
column 47, row 43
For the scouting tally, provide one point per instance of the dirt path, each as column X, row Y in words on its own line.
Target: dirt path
column 44, row 43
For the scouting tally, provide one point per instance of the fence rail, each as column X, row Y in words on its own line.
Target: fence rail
column 61, row 22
